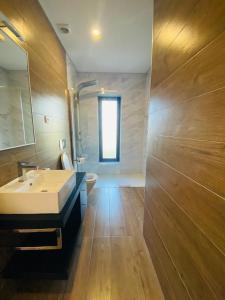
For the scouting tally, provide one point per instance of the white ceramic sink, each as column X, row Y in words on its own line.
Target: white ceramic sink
column 44, row 192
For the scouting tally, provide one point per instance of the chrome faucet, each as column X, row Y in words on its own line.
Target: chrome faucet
column 23, row 167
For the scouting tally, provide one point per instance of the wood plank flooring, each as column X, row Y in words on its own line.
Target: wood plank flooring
column 111, row 261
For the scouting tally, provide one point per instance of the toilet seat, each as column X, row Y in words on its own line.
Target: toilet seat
column 90, row 177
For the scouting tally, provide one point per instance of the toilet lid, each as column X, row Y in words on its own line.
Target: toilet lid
column 66, row 162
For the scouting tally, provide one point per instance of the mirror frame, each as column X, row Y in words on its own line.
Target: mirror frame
column 11, row 35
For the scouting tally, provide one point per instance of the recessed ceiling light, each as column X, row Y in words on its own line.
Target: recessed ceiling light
column 96, row 34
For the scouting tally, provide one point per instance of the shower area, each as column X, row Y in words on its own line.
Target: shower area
column 129, row 170
column 83, row 93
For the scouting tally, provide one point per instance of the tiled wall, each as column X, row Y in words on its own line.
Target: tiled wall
column 132, row 88
column 184, row 220
column 47, row 66
column 72, row 86
column 16, row 126
column 48, row 79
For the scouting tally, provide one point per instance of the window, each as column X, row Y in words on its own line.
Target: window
column 109, row 128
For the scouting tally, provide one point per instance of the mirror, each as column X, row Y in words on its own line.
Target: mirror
column 16, row 122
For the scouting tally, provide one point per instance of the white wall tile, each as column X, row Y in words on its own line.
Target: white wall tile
column 132, row 88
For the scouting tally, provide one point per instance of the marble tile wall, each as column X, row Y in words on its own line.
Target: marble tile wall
column 72, row 86
column 132, row 88
column 147, row 90
column 20, row 78
column 16, row 127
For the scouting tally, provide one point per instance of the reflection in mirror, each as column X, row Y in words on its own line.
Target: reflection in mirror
column 16, row 123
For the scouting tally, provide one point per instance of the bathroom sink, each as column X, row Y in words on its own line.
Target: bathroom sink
column 43, row 192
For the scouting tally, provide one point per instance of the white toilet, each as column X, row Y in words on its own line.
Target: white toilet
column 91, row 178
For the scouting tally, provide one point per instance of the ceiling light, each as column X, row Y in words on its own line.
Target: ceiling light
column 96, row 34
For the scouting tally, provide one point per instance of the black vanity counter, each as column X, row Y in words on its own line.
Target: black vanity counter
column 47, row 264
column 23, row 221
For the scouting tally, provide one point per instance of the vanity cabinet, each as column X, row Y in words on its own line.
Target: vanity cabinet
column 47, row 241
column 83, row 198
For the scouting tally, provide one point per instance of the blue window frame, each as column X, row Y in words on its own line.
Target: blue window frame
column 109, row 128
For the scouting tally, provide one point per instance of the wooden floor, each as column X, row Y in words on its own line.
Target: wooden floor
column 111, row 261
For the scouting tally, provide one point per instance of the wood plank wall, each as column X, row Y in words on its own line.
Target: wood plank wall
column 184, row 223
column 47, row 65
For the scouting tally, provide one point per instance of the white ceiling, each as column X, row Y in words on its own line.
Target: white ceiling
column 126, row 27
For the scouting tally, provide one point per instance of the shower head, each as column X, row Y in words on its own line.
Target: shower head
column 84, row 85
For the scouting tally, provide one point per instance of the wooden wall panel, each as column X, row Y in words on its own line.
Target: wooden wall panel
column 195, row 201
column 171, row 281
column 185, row 188
column 202, row 161
column 181, row 31
column 194, row 78
column 200, row 118
column 195, row 257
column 47, row 65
